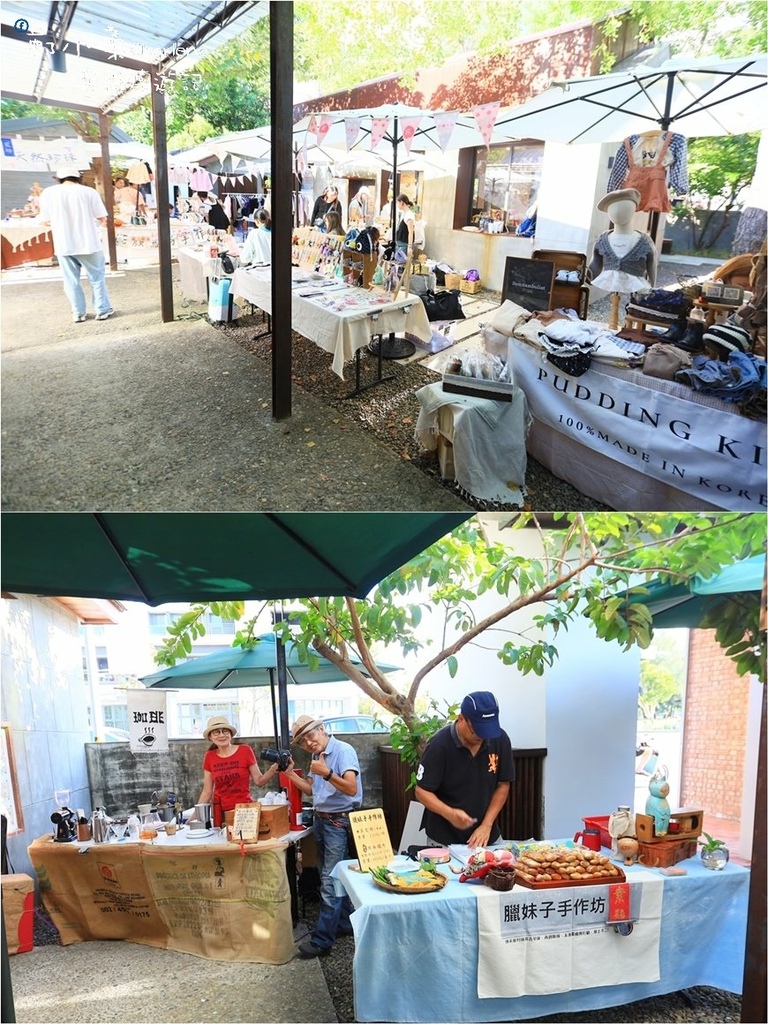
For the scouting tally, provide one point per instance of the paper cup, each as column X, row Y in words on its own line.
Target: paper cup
column 170, row 828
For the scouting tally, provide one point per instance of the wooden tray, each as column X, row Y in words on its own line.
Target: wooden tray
column 432, row 883
column 603, row 880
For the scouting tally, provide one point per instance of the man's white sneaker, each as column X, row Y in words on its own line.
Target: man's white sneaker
column 78, row 318
column 104, row 316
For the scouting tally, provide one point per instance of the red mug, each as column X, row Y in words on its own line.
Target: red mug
column 590, row 837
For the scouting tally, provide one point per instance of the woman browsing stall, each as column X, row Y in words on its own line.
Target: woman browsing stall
column 229, row 768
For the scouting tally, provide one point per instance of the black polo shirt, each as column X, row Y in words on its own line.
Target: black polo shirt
column 449, row 770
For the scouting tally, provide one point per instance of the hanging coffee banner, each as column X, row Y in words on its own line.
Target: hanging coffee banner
column 147, row 720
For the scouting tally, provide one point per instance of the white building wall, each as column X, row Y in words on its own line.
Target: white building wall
column 45, row 703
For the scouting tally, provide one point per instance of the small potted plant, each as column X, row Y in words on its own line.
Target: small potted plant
column 714, row 853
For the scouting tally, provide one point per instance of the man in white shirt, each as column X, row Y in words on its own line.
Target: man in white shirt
column 74, row 214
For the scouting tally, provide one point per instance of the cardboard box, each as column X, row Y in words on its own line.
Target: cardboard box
column 18, row 910
column 453, row 280
column 470, row 287
column 276, row 819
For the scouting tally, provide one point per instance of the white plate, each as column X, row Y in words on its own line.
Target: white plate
column 403, row 865
column 199, row 833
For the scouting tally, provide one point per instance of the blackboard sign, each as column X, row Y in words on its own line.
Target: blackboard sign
column 528, row 282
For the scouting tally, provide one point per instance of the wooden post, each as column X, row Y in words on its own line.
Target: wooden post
column 613, row 319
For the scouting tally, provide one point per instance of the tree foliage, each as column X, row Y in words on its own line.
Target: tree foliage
column 587, row 564
column 719, row 170
column 339, row 50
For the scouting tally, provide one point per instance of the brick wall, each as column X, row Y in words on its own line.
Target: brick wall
column 714, row 740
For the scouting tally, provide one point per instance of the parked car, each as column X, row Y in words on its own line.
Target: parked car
column 354, row 723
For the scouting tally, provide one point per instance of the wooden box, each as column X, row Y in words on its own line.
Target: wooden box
column 19, row 912
column 274, row 821
column 690, row 821
column 470, row 287
column 665, row 853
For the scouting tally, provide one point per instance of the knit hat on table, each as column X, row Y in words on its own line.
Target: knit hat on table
column 728, row 338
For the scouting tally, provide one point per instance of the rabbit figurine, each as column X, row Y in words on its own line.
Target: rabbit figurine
column 657, row 805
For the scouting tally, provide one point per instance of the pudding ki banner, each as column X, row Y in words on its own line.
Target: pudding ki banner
column 718, row 456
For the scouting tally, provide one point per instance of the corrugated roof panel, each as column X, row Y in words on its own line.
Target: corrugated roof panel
column 145, row 31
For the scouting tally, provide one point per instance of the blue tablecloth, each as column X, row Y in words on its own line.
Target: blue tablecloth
column 416, row 956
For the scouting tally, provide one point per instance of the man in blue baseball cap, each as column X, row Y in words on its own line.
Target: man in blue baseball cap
column 464, row 776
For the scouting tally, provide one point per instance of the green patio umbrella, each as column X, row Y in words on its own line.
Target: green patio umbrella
column 194, row 556
column 235, row 667
column 685, row 604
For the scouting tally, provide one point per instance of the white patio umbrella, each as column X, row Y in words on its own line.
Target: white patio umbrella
column 695, row 98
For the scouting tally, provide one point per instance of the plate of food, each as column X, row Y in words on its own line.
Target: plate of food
column 423, row 880
column 563, row 866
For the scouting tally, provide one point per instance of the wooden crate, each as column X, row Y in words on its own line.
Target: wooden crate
column 275, row 818
column 665, row 853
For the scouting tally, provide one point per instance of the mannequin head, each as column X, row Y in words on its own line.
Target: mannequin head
column 620, row 205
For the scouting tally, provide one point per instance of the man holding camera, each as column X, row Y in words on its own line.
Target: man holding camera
column 335, row 784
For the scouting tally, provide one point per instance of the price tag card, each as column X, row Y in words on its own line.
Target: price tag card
column 374, row 847
column 246, row 823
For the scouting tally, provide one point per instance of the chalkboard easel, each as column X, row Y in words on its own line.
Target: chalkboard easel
column 528, row 283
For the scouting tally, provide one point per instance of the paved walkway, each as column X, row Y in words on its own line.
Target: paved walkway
column 133, row 414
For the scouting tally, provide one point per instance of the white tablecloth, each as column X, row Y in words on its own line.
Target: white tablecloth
column 21, row 230
column 340, row 319
column 195, row 266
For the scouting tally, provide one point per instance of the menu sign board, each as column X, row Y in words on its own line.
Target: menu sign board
column 528, row 283
column 246, row 823
column 374, row 847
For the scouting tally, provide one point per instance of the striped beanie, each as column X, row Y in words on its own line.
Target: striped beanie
column 728, row 337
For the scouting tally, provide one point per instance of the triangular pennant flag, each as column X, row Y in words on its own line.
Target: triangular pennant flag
column 444, row 125
column 379, row 127
column 409, row 126
column 485, row 116
column 352, row 130
column 325, row 126
column 312, row 127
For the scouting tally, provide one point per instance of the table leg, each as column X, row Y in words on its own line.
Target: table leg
column 359, row 388
column 268, row 331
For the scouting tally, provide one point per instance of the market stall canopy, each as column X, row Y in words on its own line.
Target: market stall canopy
column 95, row 55
column 685, row 604
column 233, row 667
column 164, row 557
column 696, row 98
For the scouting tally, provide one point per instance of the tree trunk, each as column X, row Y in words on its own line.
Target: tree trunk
column 751, row 231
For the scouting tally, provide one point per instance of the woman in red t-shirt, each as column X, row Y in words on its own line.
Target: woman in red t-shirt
column 229, row 768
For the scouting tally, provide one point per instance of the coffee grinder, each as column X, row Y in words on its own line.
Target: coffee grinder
column 63, row 818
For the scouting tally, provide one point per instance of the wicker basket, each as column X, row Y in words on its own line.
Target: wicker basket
column 453, row 280
column 470, row 287
column 501, row 878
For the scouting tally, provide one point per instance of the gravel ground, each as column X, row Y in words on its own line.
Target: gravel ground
column 389, row 411
column 700, row 1005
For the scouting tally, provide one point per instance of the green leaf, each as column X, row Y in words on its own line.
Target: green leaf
column 453, row 666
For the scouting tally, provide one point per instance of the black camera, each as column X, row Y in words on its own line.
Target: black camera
column 278, row 757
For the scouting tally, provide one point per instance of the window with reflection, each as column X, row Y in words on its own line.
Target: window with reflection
column 505, row 185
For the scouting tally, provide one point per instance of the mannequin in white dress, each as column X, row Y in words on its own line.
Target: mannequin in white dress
column 624, row 259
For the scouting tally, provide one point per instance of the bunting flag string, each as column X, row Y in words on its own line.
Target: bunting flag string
column 326, row 120
column 409, row 127
column 352, row 130
column 485, row 117
column 444, row 125
column 379, row 127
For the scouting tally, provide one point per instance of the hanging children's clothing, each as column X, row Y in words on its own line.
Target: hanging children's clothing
column 653, row 164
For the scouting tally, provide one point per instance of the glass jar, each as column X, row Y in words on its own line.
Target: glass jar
column 715, row 859
column 149, row 825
